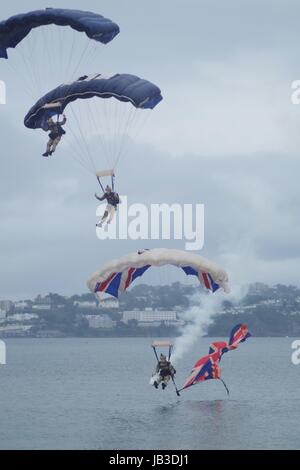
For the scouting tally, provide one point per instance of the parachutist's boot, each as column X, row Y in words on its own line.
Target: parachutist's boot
column 46, row 154
column 155, row 384
column 163, row 385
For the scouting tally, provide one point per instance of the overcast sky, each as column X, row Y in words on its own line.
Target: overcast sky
column 225, row 134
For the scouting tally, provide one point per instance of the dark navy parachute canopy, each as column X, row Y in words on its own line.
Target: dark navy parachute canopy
column 123, row 87
column 16, row 28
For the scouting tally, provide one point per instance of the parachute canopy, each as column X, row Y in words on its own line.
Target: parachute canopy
column 161, row 344
column 157, row 344
column 116, row 276
column 16, row 28
column 208, row 367
column 124, row 87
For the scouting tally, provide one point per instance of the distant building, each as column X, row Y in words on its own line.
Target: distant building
column 131, row 315
column 100, row 321
column 15, row 330
column 39, row 300
column 109, row 303
column 20, row 317
column 6, row 305
column 41, row 307
column 149, row 315
column 21, row 305
column 2, row 315
column 85, row 304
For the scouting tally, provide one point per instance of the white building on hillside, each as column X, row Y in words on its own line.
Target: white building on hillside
column 20, row 317
column 150, row 316
column 100, row 321
column 21, row 305
column 85, row 304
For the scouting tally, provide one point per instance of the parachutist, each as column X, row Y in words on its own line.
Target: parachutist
column 56, row 133
column 113, row 200
column 164, row 371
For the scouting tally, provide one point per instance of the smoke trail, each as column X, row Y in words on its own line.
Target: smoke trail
column 199, row 317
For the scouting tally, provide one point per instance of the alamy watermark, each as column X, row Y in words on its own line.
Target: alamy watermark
column 2, row 92
column 155, row 222
column 295, row 358
column 2, row 352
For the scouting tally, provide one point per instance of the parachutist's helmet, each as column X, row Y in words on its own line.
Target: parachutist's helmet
column 108, row 189
column 163, row 357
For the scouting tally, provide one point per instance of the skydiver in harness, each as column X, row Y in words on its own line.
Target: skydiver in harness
column 113, row 200
column 164, row 371
column 56, row 133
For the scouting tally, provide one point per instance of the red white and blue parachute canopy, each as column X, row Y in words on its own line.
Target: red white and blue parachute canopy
column 205, row 369
column 117, row 275
column 238, row 335
column 208, row 367
column 16, row 28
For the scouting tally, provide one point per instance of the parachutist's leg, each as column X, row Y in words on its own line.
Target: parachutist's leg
column 49, row 143
column 159, row 379
column 102, row 220
column 112, row 212
column 104, row 216
column 55, row 143
column 48, row 149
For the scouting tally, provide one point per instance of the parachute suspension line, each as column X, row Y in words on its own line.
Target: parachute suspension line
column 97, row 117
column 170, row 351
column 142, row 123
column 113, row 182
column 61, row 43
column 61, row 47
column 128, row 125
column 79, row 142
column 119, row 112
column 176, row 389
column 16, row 74
column 85, row 49
column 154, row 349
column 83, row 138
column 49, row 56
column 108, row 124
column 123, row 150
column 92, row 107
column 71, row 153
column 113, row 121
column 29, row 71
column 98, row 178
column 69, row 62
column 226, row 388
column 89, row 59
column 77, row 145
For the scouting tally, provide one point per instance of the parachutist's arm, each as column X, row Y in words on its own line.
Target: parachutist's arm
column 100, row 198
column 63, row 122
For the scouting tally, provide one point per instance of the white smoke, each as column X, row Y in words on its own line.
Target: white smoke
column 199, row 316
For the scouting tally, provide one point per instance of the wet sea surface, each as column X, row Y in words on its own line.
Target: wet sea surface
column 95, row 394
